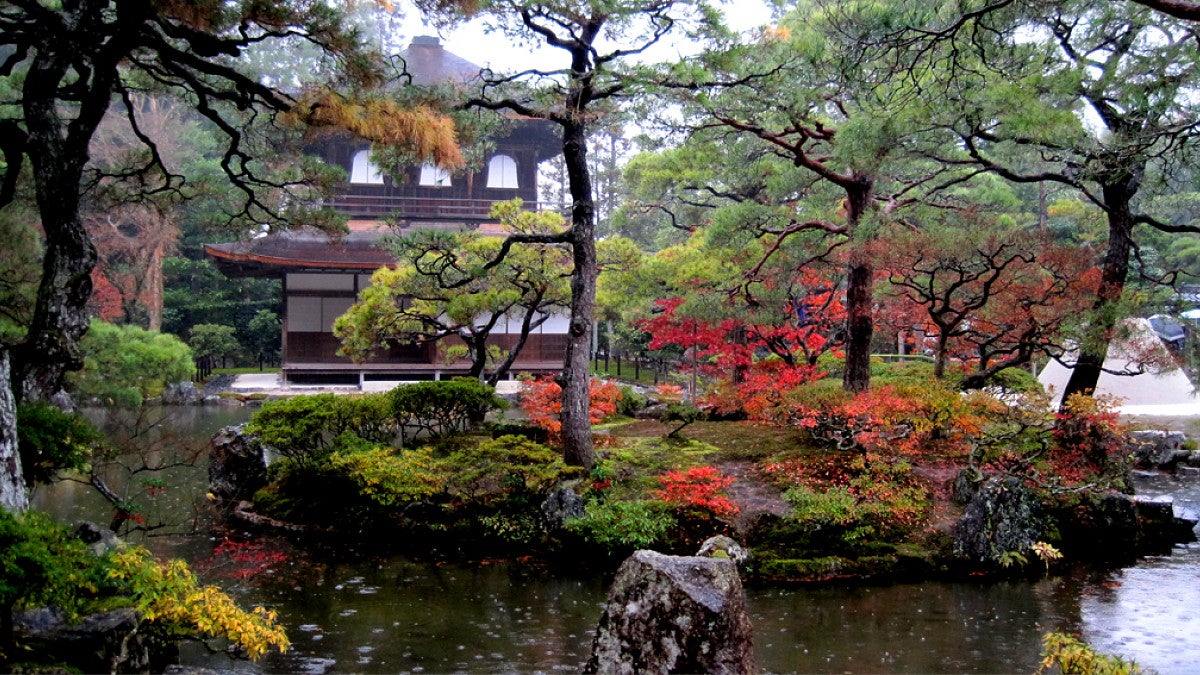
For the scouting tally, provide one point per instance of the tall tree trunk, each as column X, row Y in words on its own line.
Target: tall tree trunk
column 1092, row 352
column 576, row 375
column 58, row 154
column 154, row 282
column 12, row 481
column 575, row 379
column 860, row 293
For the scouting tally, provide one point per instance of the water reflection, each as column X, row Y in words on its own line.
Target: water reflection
column 396, row 615
column 910, row 628
column 1148, row 612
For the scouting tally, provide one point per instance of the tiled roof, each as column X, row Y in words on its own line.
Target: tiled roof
column 297, row 250
column 308, row 249
column 428, row 63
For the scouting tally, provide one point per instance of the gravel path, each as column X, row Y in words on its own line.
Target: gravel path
column 752, row 492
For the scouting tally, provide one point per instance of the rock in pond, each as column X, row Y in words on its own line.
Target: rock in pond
column 181, row 393
column 107, row 642
column 674, row 614
column 1003, row 515
column 561, row 506
column 237, row 466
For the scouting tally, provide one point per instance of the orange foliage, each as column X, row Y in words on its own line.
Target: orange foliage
column 542, row 403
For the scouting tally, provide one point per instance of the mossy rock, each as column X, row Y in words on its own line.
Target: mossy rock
column 827, row 568
column 802, row 569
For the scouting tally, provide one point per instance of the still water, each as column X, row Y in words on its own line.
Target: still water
column 392, row 614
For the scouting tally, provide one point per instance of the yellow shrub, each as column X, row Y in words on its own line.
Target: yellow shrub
column 169, row 596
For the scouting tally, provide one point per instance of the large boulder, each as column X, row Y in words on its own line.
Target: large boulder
column 561, row 506
column 237, row 466
column 1003, row 516
column 107, row 642
column 674, row 614
column 181, row 393
column 1157, row 449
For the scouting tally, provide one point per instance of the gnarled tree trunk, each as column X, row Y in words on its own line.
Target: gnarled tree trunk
column 576, row 375
column 12, row 482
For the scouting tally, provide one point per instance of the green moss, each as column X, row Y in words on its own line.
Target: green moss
column 801, row 568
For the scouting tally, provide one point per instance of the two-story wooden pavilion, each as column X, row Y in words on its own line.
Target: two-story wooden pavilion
column 322, row 275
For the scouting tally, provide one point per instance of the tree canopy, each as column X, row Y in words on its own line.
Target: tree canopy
column 63, row 66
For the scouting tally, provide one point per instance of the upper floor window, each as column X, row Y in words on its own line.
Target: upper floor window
column 434, row 176
column 363, row 171
column 502, row 172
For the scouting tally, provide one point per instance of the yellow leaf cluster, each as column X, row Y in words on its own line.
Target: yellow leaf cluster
column 169, row 595
column 420, row 129
column 1067, row 655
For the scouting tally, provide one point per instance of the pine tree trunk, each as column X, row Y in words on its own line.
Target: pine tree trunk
column 1093, row 352
column 12, row 482
column 576, row 375
column 575, row 379
column 860, row 326
column 58, row 154
column 860, row 294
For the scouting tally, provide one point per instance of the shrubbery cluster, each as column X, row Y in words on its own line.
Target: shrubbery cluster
column 402, row 459
column 41, row 564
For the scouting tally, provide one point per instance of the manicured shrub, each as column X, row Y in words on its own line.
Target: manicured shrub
column 368, row 416
column 619, row 526
column 441, row 408
column 124, row 365
column 298, row 428
column 391, row 478
column 503, row 466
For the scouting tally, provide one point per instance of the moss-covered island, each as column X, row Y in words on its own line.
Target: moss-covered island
column 909, row 480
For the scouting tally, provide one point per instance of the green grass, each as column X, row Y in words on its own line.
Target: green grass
column 645, row 377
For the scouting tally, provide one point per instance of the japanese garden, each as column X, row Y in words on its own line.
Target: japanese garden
column 858, row 338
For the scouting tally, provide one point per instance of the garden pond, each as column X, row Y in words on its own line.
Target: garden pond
column 394, row 614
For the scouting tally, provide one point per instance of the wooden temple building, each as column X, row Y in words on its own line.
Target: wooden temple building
column 322, row 276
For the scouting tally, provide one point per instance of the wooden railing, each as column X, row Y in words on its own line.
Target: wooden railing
column 382, row 206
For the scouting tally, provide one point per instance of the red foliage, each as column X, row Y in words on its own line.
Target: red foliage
column 700, row 487
column 105, row 301
column 885, row 422
column 731, row 349
column 819, row 473
column 542, row 403
column 985, row 301
column 242, row 559
column 130, row 516
column 1089, row 441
